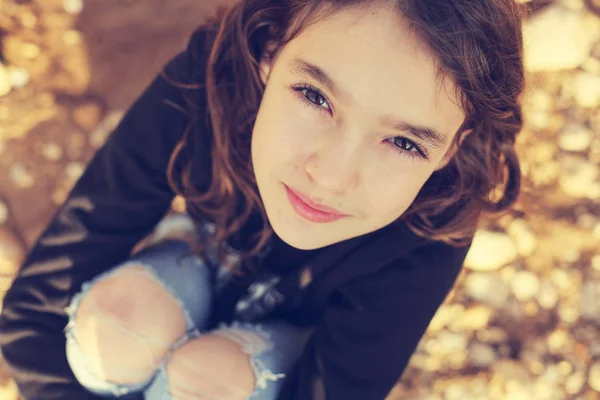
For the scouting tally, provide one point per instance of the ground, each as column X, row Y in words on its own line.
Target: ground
column 522, row 321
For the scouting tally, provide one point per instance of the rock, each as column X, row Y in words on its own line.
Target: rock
column 71, row 37
column 548, row 295
column 590, row 301
column 510, row 370
column 579, row 178
column 490, row 251
column 541, row 152
column 587, row 90
column 447, row 343
column 523, row 237
column 557, row 39
column 52, row 151
column 538, row 119
column 575, row 137
column 569, row 254
column 456, row 391
column 30, row 50
column 486, row 288
column 19, row 77
column 11, row 257
column 456, row 360
column 20, row 176
column 72, row 78
column 594, row 376
column 525, row 285
column 60, row 195
column 539, row 99
column 562, row 280
column 531, row 308
column 482, row 355
column 493, row 335
column 568, row 313
column 73, row 6
column 9, row 391
column 593, row 347
column 545, row 388
column 595, row 262
column 545, row 174
column 574, row 383
column 75, row 146
column 5, row 85
column 105, row 127
column 75, row 170
column 564, row 368
column 558, row 341
column 443, row 316
column 87, row 115
column 28, row 19
column 586, row 221
column 3, row 212
column 26, row 55
column 473, row 318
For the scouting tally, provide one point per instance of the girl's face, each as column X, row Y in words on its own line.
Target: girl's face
column 354, row 116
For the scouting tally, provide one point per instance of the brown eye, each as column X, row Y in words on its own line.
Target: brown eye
column 313, row 97
column 402, row 142
column 406, row 147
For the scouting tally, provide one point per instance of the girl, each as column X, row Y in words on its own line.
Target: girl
column 335, row 157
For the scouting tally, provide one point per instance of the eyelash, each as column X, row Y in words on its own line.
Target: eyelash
column 298, row 89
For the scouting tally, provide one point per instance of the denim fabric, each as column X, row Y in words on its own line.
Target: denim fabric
column 188, row 278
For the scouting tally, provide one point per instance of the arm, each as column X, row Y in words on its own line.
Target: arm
column 371, row 328
column 120, row 197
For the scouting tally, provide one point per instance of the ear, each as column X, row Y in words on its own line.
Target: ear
column 447, row 157
column 266, row 62
column 451, row 152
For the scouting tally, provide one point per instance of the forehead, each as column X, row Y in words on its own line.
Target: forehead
column 380, row 65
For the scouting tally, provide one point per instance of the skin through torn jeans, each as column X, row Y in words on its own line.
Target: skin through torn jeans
column 139, row 327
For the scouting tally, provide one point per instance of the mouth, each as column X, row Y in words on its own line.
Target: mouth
column 311, row 210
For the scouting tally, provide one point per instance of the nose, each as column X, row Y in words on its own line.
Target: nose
column 334, row 167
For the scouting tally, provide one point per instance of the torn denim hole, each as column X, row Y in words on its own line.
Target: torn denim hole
column 253, row 340
column 71, row 309
column 185, row 390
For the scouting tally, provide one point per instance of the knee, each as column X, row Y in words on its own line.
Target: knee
column 126, row 324
column 208, row 367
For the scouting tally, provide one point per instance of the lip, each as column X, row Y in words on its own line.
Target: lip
column 310, row 210
column 316, row 206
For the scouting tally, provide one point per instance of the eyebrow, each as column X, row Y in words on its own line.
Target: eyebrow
column 434, row 138
column 429, row 135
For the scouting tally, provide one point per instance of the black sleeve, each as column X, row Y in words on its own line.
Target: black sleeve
column 120, row 197
column 371, row 328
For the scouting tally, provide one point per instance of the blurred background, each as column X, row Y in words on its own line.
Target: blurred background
column 523, row 320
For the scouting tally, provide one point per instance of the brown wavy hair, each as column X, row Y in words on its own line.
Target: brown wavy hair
column 478, row 45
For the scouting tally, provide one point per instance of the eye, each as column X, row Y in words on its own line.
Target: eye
column 311, row 96
column 314, row 98
column 407, row 147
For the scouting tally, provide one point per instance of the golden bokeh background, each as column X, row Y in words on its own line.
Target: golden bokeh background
column 523, row 321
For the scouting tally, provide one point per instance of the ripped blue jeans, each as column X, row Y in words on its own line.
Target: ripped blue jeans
column 189, row 282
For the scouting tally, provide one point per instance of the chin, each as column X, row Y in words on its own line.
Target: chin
column 297, row 239
column 291, row 227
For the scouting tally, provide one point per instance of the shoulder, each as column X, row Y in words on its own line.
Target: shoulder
column 429, row 269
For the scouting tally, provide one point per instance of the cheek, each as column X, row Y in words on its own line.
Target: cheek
column 284, row 127
column 390, row 193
